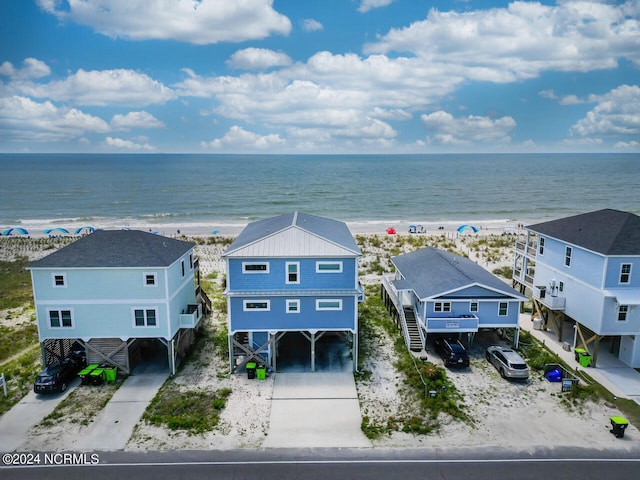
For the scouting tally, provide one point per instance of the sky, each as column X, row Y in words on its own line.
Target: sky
column 319, row 77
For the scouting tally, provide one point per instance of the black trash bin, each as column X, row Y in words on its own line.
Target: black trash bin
column 619, row 425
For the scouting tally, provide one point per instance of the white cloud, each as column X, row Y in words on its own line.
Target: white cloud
column 520, row 41
column 100, row 88
column 135, row 120
column 258, row 59
column 121, row 144
column 616, row 113
column 31, row 68
column 366, row 5
column 311, row 25
column 22, row 119
column 629, row 146
column 448, row 130
column 239, row 138
column 199, row 22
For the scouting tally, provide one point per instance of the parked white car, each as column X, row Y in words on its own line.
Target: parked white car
column 508, row 362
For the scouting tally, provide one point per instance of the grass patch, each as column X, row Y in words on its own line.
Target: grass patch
column 82, row 405
column 20, row 374
column 15, row 284
column 14, row 340
column 193, row 411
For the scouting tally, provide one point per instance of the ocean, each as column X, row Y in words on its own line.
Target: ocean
column 205, row 192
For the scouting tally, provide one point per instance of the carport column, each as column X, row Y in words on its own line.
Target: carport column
column 516, row 337
column 231, row 357
column 313, row 351
column 355, row 351
column 172, row 357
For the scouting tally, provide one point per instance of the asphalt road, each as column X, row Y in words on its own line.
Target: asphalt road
column 337, row 464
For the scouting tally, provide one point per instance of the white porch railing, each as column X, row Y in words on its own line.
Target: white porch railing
column 395, row 298
column 553, row 302
column 190, row 320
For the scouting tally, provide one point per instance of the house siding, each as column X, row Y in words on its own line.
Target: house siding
column 275, row 279
column 307, row 319
column 585, row 265
column 612, row 276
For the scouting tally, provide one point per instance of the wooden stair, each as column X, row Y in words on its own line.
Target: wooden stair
column 415, row 342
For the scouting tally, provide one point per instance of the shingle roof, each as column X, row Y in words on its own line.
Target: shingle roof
column 431, row 272
column 117, row 248
column 609, row 232
column 255, row 238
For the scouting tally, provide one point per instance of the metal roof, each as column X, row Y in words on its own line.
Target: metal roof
column 431, row 272
column 608, row 232
column 117, row 248
column 294, row 235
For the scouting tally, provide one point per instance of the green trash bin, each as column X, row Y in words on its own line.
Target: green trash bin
column 97, row 376
column 110, row 374
column 85, row 373
column 251, row 370
column 619, row 425
column 579, row 352
column 585, row 360
column 261, row 372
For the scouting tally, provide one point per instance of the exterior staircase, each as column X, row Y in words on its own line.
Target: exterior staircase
column 415, row 342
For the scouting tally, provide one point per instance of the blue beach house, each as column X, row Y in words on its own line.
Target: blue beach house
column 583, row 271
column 437, row 292
column 292, row 291
column 125, row 295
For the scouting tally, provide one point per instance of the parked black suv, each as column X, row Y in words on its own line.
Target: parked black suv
column 452, row 352
column 56, row 376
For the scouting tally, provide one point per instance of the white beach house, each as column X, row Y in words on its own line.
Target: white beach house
column 584, row 270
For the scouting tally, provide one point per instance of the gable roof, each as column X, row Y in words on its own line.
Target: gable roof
column 609, row 232
column 294, row 235
column 117, row 248
column 431, row 272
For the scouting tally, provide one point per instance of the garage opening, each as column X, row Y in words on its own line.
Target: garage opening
column 332, row 352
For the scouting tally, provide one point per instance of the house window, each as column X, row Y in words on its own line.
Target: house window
column 293, row 306
column 625, row 273
column 59, row 280
column 144, row 317
column 561, row 286
column 256, row 305
column 623, row 310
column 292, row 272
column 503, row 309
column 182, row 268
column 473, row 307
column 567, row 257
column 328, row 304
column 250, row 267
column 541, row 246
column 328, row 267
column 190, row 261
column 150, row 279
column 442, row 307
column 60, row 319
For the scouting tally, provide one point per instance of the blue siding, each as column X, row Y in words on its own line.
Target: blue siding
column 585, row 265
column 102, row 301
column 476, row 292
column 612, row 278
column 276, row 278
column 487, row 312
column 307, row 319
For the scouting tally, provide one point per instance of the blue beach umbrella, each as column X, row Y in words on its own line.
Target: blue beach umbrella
column 462, row 228
column 19, row 230
column 215, row 232
column 50, row 231
column 88, row 229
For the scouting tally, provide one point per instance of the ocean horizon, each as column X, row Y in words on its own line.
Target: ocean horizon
column 218, row 192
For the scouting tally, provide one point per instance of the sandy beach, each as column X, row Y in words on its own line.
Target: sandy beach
column 516, row 416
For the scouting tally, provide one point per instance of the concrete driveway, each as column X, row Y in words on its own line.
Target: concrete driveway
column 30, row 411
column 315, row 410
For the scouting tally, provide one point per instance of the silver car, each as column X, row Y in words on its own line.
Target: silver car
column 508, row 362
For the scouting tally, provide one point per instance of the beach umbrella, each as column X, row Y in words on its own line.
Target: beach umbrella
column 462, row 228
column 215, row 232
column 391, row 230
column 88, row 229
column 50, row 231
column 9, row 231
